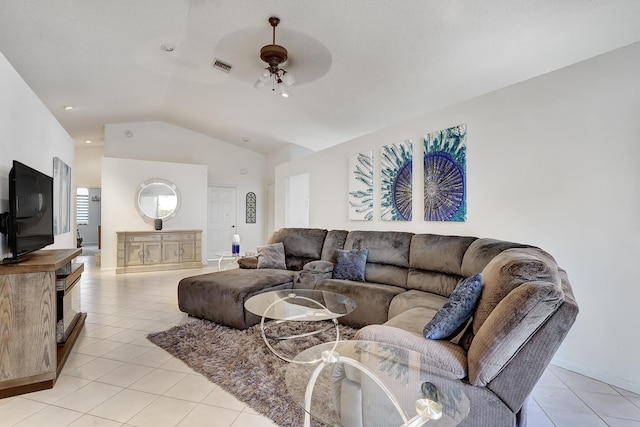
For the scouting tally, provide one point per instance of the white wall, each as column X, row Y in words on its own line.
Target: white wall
column 297, row 201
column 281, row 155
column 30, row 134
column 551, row 162
column 120, row 181
column 284, row 154
column 89, row 166
column 228, row 165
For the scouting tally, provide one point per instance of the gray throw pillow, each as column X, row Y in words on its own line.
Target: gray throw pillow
column 271, row 256
column 453, row 315
column 350, row 264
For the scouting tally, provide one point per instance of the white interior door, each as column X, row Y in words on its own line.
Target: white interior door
column 271, row 209
column 296, row 212
column 221, row 221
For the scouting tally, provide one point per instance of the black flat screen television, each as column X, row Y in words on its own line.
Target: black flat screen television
column 29, row 223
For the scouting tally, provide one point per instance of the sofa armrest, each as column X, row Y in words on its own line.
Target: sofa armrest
column 313, row 273
column 248, row 262
column 319, row 266
column 445, row 358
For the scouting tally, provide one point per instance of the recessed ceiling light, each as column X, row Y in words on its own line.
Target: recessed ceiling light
column 168, row 47
column 68, row 107
column 245, row 139
column 88, row 141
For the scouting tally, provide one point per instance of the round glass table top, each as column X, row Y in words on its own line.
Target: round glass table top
column 359, row 381
column 300, row 305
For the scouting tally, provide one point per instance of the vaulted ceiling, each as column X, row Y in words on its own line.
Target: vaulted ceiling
column 360, row 65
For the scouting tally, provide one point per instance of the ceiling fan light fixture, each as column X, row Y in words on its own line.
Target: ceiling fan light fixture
column 288, row 79
column 275, row 55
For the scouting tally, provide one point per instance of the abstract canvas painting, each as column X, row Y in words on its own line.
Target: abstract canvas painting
column 396, row 176
column 361, row 186
column 61, row 197
column 445, row 174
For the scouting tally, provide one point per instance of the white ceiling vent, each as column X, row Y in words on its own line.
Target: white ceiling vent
column 222, row 66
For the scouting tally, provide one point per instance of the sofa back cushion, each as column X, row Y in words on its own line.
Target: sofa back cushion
column 332, row 244
column 521, row 289
column 509, row 326
column 436, row 262
column 508, row 270
column 481, row 251
column 301, row 245
column 388, row 258
column 443, row 254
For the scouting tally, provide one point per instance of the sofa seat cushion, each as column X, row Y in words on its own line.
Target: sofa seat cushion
column 412, row 320
column 412, row 299
column 372, row 300
column 444, row 357
column 220, row 296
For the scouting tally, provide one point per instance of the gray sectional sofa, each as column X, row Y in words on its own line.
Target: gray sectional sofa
column 525, row 310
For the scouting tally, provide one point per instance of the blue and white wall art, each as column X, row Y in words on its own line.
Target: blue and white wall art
column 445, row 175
column 361, row 186
column 396, row 177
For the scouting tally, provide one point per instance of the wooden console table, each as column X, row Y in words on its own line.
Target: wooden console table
column 158, row 250
column 30, row 357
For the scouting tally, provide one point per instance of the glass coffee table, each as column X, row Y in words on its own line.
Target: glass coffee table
column 353, row 383
column 225, row 256
column 298, row 305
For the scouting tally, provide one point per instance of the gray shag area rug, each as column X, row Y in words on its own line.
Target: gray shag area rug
column 240, row 362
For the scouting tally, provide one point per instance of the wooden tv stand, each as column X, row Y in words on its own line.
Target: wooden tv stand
column 30, row 357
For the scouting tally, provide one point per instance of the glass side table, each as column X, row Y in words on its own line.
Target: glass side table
column 353, row 383
column 225, row 256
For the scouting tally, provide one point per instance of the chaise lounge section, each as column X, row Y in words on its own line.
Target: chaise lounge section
column 220, row 296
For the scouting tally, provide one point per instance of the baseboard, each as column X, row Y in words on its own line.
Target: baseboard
column 612, row 380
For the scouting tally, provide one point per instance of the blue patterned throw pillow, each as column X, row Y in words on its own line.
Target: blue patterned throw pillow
column 453, row 315
column 350, row 264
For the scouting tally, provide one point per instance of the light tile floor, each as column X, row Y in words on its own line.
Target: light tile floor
column 116, row 377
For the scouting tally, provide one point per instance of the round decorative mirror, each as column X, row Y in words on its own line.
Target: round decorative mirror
column 157, row 199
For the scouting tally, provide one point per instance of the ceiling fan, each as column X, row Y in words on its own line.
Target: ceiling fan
column 275, row 55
